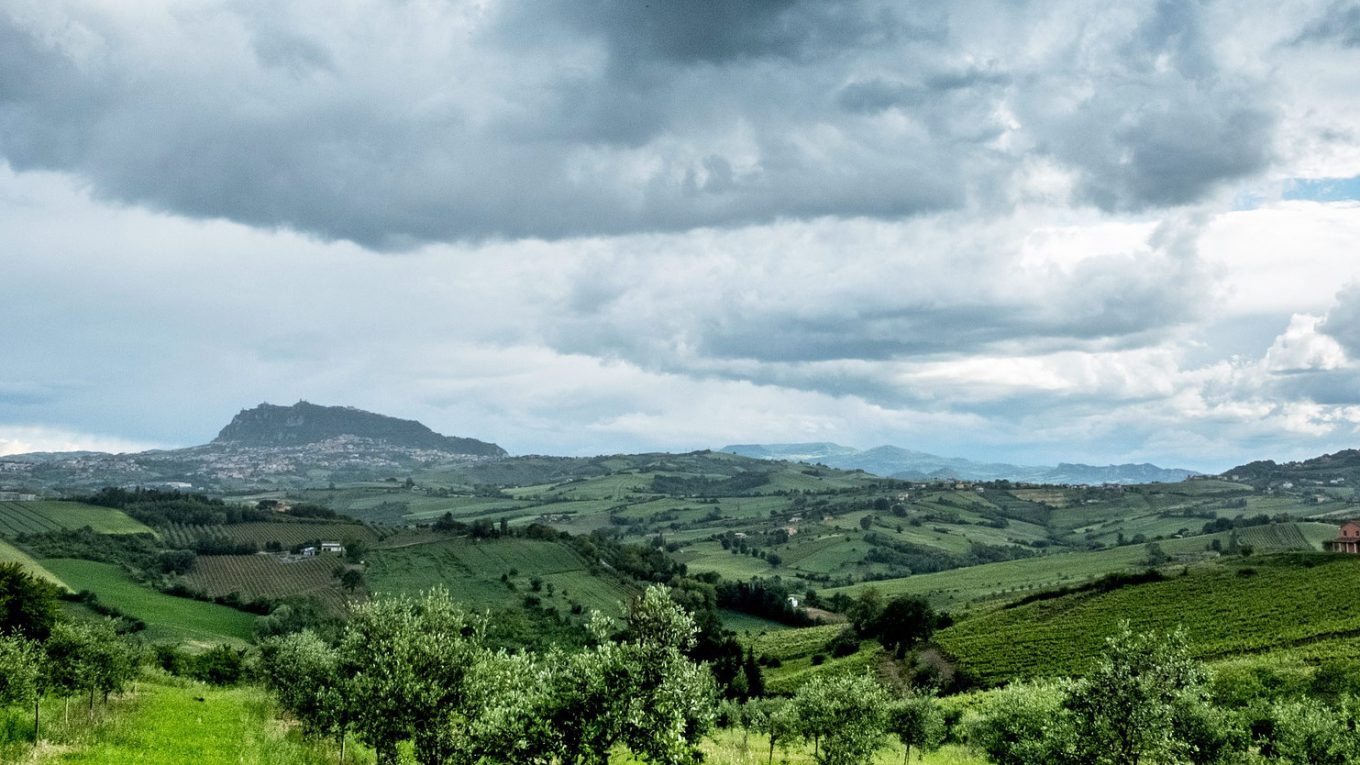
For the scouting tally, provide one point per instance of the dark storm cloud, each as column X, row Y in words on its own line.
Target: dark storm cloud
column 1339, row 23
column 1343, row 320
column 1161, row 124
column 721, row 31
column 398, row 124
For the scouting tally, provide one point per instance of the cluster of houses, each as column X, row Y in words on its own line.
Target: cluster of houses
column 326, row 547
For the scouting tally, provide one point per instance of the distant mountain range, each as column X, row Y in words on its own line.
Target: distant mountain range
column 896, row 462
column 304, row 423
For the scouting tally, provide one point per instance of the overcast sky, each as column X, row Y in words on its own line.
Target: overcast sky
column 1096, row 232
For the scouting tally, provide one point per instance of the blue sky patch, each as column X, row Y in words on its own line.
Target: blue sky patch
column 1324, row 189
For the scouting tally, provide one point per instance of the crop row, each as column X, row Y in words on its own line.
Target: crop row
column 264, row 576
column 16, row 519
column 1224, row 611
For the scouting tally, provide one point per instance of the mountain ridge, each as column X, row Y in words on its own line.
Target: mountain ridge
column 270, row 425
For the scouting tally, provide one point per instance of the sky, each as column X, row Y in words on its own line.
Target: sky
column 1007, row 230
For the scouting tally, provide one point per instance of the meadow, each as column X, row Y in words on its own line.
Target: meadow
column 167, row 617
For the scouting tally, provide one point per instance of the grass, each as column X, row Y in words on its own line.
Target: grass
column 167, row 617
column 170, row 722
column 11, row 554
column 40, row 516
column 1255, row 606
column 748, row 624
column 733, row 747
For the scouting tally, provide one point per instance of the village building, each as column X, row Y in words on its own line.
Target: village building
column 1347, row 540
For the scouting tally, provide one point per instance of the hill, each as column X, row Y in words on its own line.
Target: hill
column 1273, row 603
column 1329, row 471
column 896, row 462
column 305, row 423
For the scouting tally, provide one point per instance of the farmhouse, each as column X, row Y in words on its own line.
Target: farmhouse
column 1347, row 540
column 333, row 547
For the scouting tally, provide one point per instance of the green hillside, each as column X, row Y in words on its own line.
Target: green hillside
column 167, row 617
column 1246, row 606
column 472, row 571
column 11, row 554
column 38, row 517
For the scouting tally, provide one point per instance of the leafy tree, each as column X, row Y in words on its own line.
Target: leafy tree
column 845, row 715
column 1124, row 710
column 71, row 661
column 302, row 670
column 407, row 660
column 863, row 613
column 28, row 605
column 774, row 718
column 904, row 622
column 1308, row 731
column 351, row 579
column 21, row 681
column 1021, row 724
column 917, row 722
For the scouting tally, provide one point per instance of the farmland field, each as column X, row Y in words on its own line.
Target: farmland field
column 992, row 583
column 11, row 554
column 268, row 576
column 1248, row 606
column 472, row 571
column 259, row 534
column 167, row 617
column 42, row 516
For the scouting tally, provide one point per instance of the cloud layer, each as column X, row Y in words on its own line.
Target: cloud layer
column 1006, row 230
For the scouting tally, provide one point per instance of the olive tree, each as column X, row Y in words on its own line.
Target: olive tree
column 1124, row 711
column 21, row 676
column 917, row 722
column 406, row 659
column 1021, row 724
column 302, row 670
column 846, row 714
column 775, row 718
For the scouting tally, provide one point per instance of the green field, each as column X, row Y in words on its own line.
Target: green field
column 167, row 618
column 172, row 722
column 472, row 570
column 259, row 534
column 11, row 554
column 42, row 516
column 987, row 585
column 270, row 576
column 1252, row 606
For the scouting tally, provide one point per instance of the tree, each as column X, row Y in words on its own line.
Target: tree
column 1124, row 710
column 303, row 671
column 70, row 661
column 1021, row 724
column 917, row 722
column 904, row 622
column 863, row 613
column 351, row 579
column 21, row 668
column 407, row 660
column 774, row 718
column 28, row 605
column 1308, row 731
column 845, row 715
